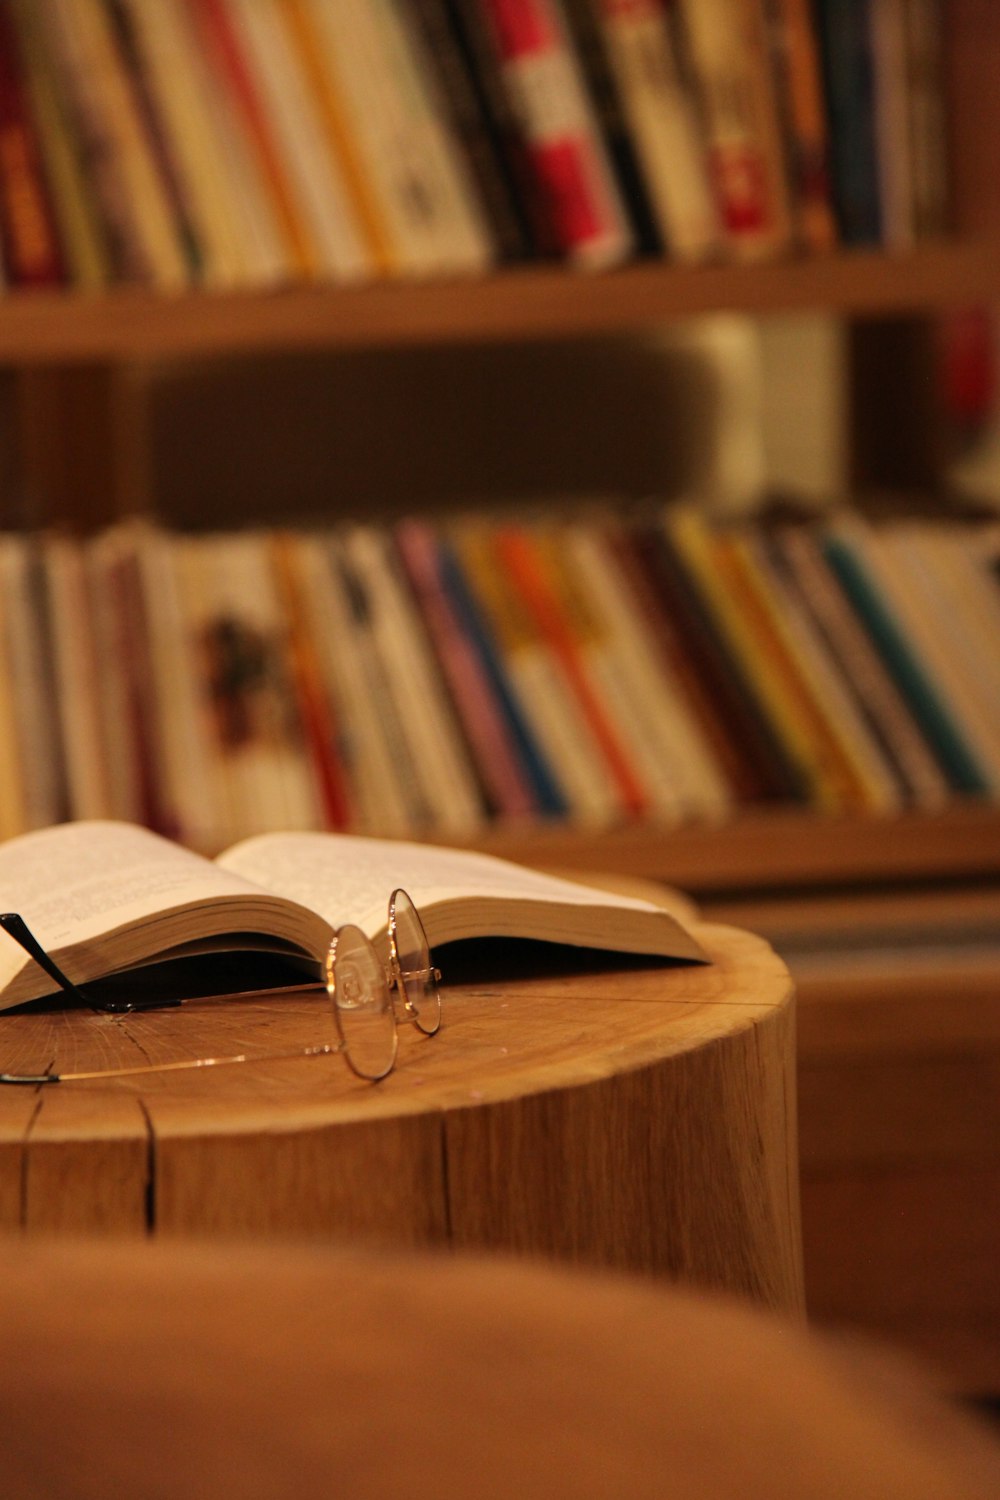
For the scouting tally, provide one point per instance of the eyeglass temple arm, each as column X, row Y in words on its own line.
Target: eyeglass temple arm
column 16, row 927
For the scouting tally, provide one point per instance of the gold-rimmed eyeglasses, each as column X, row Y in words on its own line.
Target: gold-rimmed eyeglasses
column 369, row 1001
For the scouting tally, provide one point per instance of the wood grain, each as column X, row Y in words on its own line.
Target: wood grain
column 636, row 1117
column 535, row 302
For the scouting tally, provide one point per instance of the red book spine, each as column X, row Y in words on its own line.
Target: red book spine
column 32, row 254
column 559, row 128
column 518, row 557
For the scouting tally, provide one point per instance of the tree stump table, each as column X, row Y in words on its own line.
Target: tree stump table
column 640, row 1116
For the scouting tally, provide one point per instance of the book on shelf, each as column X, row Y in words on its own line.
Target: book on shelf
column 730, row 55
column 107, row 899
column 595, row 666
column 230, row 143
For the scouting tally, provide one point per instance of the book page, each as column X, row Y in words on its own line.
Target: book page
column 79, row 880
column 346, row 878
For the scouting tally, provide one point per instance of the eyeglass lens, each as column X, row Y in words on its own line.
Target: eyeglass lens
column 417, row 977
column 362, row 1005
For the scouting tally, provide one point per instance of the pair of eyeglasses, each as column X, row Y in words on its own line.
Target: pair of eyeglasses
column 368, row 1000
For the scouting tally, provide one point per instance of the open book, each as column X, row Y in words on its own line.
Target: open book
column 106, row 898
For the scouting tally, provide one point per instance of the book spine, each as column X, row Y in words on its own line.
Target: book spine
column 314, row 177
column 158, row 137
column 696, row 587
column 663, row 117
column 73, row 198
column 752, row 636
column 560, row 130
column 560, row 620
column 878, row 698
column 676, row 761
column 315, row 703
column 585, row 29
column 802, row 109
column 487, row 729
column 470, row 124
column 728, row 47
column 548, row 793
column 922, row 694
column 891, row 121
column 844, row 29
column 32, row 253
column 927, row 116
column 222, row 43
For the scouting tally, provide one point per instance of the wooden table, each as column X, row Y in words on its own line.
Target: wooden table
column 640, row 1117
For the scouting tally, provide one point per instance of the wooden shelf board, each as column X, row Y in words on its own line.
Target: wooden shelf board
column 534, row 302
column 774, row 848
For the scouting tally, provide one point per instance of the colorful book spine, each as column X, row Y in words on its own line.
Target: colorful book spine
column 32, row 253
column 922, row 693
column 802, row 110
column 550, row 799
column 728, row 46
column 584, row 25
column 662, row 118
column 561, row 620
column 487, row 728
column 560, row 130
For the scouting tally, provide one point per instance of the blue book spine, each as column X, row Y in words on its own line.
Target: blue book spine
column 548, row 793
column 922, row 694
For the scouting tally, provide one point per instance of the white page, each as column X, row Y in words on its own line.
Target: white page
column 78, row 880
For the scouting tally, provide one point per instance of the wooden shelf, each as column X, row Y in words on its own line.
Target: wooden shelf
column 537, row 302
column 775, row 848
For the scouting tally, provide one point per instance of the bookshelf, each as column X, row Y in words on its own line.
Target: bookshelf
column 40, row 329
column 75, row 360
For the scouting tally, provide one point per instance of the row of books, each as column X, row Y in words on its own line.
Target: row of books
column 431, row 677
column 227, row 143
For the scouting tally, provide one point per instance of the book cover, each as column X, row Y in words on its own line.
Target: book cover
column 802, row 113
column 487, row 730
column 29, row 231
column 728, row 46
column 560, row 131
column 662, row 118
column 844, row 29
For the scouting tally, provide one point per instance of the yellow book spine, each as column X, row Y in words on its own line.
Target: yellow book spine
column 337, row 127
column 720, row 578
